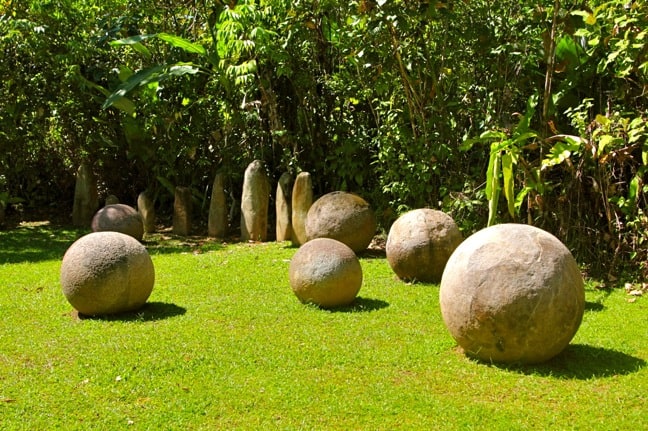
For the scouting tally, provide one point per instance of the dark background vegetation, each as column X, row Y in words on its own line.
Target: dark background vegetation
column 530, row 112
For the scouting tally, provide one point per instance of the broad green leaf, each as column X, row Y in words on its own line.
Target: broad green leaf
column 507, row 174
column 492, row 134
column 135, row 42
column 602, row 120
column 142, row 77
column 182, row 43
column 633, row 189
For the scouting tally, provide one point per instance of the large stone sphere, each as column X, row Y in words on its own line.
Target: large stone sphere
column 107, row 273
column 343, row 216
column 119, row 218
column 512, row 293
column 419, row 244
column 325, row 272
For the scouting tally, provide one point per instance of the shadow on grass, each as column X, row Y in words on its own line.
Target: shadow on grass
column 150, row 312
column 582, row 362
column 361, row 305
column 594, row 306
column 36, row 242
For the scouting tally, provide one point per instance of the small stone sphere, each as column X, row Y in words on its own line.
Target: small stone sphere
column 325, row 272
column 419, row 244
column 512, row 293
column 343, row 216
column 119, row 218
column 107, row 273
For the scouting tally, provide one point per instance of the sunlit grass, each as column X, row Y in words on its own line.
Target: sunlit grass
column 224, row 344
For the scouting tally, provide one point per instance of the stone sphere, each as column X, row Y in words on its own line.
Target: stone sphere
column 325, row 272
column 343, row 216
column 512, row 293
column 420, row 243
column 119, row 218
column 107, row 273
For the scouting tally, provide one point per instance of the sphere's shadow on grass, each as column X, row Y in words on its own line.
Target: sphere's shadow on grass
column 594, row 306
column 150, row 312
column 582, row 362
column 361, row 304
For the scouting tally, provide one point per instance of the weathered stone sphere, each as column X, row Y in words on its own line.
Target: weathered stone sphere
column 119, row 218
column 325, row 272
column 419, row 244
column 343, row 216
column 107, row 273
column 512, row 293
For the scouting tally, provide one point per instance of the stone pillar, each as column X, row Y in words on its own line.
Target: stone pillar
column 111, row 200
column 283, row 208
column 254, row 203
column 302, row 199
column 182, row 211
column 146, row 208
column 86, row 198
column 217, row 221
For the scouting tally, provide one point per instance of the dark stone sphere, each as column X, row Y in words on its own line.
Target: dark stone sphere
column 119, row 218
column 420, row 243
column 343, row 216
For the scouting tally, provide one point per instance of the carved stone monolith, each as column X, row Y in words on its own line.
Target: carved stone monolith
column 217, row 221
column 302, row 199
column 182, row 211
column 146, row 208
column 86, row 199
column 254, row 203
column 283, row 208
column 111, row 200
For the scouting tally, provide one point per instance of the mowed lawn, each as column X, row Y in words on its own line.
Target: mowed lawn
column 223, row 343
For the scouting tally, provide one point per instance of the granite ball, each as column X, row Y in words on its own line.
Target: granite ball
column 420, row 243
column 106, row 273
column 342, row 216
column 119, row 218
column 325, row 272
column 512, row 293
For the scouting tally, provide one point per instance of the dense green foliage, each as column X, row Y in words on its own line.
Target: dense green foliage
column 224, row 344
column 491, row 111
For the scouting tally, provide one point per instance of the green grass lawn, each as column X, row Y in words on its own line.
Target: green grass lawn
column 224, row 344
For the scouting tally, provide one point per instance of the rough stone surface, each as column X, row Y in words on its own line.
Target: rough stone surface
column 119, row 218
column 343, row 216
column 86, row 198
column 512, row 293
column 255, row 201
column 420, row 243
column 217, row 220
column 302, row 200
column 282, row 208
column 107, row 273
column 182, row 211
column 325, row 272
column 146, row 208
column 111, row 200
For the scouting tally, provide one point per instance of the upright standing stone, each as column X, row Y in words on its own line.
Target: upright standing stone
column 217, row 222
column 254, row 203
column 182, row 211
column 2, row 213
column 86, row 198
column 283, row 207
column 111, row 200
column 146, row 208
column 302, row 199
